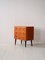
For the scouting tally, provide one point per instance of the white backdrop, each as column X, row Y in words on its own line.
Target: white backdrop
column 22, row 12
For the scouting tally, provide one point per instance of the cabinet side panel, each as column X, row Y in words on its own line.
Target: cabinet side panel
column 30, row 33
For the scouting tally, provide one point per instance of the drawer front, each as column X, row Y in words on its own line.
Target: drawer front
column 23, row 38
column 22, row 29
column 16, row 29
column 23, row 34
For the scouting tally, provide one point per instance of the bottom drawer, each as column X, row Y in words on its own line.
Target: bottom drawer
column 23, row 38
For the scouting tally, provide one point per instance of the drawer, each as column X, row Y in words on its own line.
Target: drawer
column 23, row 38
column 17, row 29
column 22, row 34
column 20, row 29
column 23, row 29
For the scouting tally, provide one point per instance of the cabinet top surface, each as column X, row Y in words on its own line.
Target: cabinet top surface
column 23, row 26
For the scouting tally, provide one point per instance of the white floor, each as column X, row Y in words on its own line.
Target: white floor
column 19, row 52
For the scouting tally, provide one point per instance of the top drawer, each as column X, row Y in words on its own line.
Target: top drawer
column 21, row 29
column 17, row 29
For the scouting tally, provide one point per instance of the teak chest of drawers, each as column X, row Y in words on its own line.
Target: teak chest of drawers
column 25, row 33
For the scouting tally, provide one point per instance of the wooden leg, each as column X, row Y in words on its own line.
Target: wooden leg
column 25, row 43
column 21, row 41
column 31, row 43
column 15, row 41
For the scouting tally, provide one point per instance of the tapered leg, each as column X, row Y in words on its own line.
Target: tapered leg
column 31, row 43
column 15, row 41
column 25, row 43
column 21, row 41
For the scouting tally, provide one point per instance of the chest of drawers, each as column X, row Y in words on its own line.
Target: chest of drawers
column 24, row 33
